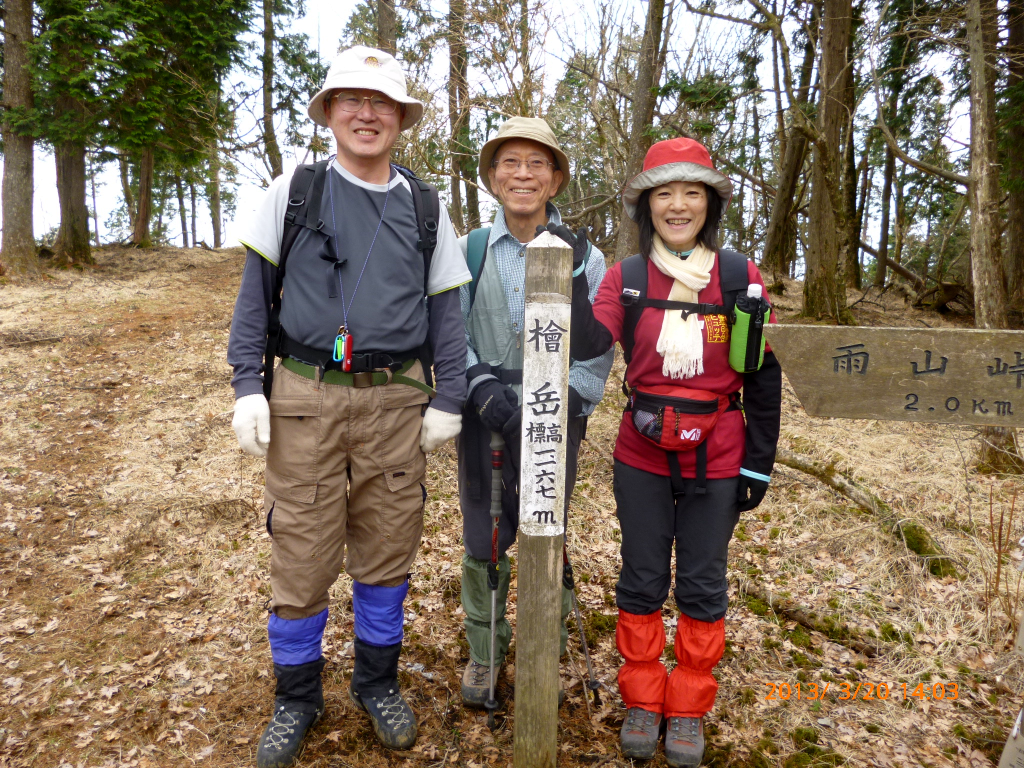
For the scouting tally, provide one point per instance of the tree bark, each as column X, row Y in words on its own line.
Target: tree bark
column 140, row 234
column 456, row 53
column 387, row 27
column 1014, row 165
column 192, row 199
column 780, row 239
column 95, row 210
column 986, row 263
column 181, row 211
column 18, row 253
column 823, row 292
column 882, row 261
column 126, row 190
column 72, row 246
column 647, row 77
column 467, row 158
column 214, row 192
column 269, row 135
column 525, row 96
column 851, row 251
column 998, row 449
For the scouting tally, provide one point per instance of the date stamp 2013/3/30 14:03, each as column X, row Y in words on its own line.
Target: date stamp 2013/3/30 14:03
column 848, row 691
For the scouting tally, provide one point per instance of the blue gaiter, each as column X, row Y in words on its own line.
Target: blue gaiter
column 296, row 641
column 378, row 612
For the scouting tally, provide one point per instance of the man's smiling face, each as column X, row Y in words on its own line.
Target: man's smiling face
column 363, row 135
column 522, row 190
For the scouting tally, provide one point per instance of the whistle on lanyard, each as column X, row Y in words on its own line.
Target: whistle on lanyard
column 343, row 349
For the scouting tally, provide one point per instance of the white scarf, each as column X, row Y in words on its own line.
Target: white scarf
column 681, row 343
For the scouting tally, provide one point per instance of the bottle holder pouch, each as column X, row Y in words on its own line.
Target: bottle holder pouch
column 746, row 343
column 675, row 418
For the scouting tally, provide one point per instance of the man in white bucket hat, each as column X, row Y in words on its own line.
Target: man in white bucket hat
column 344, row 420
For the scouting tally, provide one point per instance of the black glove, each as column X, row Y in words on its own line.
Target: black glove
column 579, row 243
column 750, row 493
column 495, row 404
column 575, row 403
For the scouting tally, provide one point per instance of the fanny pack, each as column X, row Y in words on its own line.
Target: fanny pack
column 677, row 419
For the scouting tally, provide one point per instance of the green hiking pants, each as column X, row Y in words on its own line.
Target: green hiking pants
column 476, row 602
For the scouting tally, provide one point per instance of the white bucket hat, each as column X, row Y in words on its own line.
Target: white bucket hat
column 370, row 69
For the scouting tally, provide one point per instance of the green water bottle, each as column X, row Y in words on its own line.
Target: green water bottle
column 746, row 346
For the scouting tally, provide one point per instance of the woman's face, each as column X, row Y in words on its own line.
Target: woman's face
column 678, row 212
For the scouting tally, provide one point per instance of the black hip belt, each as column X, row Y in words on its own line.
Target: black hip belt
column 362, row 362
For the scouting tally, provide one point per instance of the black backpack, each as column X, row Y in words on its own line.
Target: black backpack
column 732, row 273
column 305, row 194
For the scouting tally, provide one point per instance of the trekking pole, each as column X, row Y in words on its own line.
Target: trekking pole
column 569, row 582
column 497, row 459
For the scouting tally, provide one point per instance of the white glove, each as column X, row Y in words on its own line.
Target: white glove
column 252, row 424
column 438, row 428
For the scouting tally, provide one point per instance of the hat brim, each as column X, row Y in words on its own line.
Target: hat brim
column 663, row 174
column 413, row 109
column 490, row 149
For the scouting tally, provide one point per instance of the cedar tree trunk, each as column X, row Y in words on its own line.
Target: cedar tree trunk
column 647, row 76
column 72, row 246
column 140, row 234
column 269, row 136
column 18, row 253
column 387, row 35
column 1014, row 166
column 824, row 294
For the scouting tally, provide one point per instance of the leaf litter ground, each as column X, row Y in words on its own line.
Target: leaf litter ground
column 134, row 558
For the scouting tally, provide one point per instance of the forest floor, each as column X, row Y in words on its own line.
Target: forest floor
column 134, row 566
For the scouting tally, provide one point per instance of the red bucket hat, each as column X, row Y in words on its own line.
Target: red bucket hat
column 679, row 159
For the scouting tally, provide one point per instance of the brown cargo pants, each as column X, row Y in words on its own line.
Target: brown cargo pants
column 344, row 468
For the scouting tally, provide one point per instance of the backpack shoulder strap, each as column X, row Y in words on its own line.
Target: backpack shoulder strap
column 427, row 203
column 732, row 273
column 634, row 287
column 476, row 254
column 305, row 192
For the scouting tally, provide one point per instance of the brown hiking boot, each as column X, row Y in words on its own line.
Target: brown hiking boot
column 476, row 684
column 684, row 742
column 639, row 735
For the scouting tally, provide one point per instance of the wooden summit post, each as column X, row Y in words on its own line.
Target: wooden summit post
column 542, row 498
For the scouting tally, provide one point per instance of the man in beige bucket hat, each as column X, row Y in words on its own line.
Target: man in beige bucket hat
column 524, row 167
column 345, row 422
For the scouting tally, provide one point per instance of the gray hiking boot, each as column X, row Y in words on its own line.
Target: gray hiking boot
column 391, row 717
column 476, row 684
column 684, row 742
column 639, row 735
column 281, row 742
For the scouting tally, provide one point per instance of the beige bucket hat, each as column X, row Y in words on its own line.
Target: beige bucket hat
column 373, row 70
column 534, row 129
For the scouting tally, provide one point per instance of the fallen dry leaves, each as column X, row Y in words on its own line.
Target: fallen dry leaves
column 133, row 566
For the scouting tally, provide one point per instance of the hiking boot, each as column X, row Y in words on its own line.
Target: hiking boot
column 391, row 717
column 281, row 741
column 298, row 706
column 684, row 742
column 639, row 735
column 476, row 684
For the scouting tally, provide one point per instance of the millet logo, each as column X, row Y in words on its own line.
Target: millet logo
column 690, row 434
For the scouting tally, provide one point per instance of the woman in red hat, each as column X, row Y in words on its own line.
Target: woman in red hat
column 686, row 461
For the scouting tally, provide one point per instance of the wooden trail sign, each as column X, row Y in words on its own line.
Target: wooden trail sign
column 542, row 499
column 951, row 376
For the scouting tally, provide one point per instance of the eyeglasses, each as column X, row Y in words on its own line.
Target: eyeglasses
column 535, row 165
column 350, row 102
